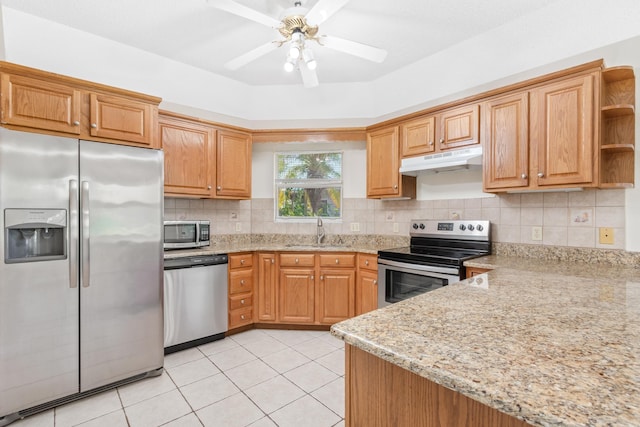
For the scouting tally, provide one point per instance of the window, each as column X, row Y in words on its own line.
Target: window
column 308, row 185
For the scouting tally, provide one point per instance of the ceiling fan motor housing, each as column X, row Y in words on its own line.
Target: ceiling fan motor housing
column 293, row 23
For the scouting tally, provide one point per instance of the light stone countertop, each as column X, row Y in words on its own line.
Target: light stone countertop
column 552, row 343
column 265, row 247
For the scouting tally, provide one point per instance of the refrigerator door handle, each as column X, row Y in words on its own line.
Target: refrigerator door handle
column 73, row 233
column 86, row 257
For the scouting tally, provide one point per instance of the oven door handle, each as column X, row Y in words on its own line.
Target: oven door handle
column 413, row 267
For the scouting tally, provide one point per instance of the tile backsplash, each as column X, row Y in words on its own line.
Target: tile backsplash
column 565, row 218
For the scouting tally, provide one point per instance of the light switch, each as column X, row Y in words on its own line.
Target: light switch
column 606, row 236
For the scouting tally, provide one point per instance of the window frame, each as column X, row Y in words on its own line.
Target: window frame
column 307, row 183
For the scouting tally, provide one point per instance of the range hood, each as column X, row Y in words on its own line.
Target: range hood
column 441, row 162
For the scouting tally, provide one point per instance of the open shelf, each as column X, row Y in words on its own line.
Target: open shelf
column 618, row 110
column 618, row 147
column 616, row 185
column 614, row 74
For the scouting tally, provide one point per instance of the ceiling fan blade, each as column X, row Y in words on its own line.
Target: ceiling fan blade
column 323, row 11
column 252, row 55
column 244, row 12
column 353, row 48
column 309, row 77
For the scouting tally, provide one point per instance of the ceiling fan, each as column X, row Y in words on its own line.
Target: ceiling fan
column 297, row 27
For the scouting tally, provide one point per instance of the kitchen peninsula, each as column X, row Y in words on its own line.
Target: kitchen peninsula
column 532, row 342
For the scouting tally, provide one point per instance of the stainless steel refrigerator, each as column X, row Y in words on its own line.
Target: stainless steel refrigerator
column 80, row 268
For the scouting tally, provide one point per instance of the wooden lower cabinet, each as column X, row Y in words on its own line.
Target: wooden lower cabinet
column 266, row 288
column 381, row 394
column 336, row 295
column 241, row 294
column 474, row 271
column 367, row 283
column 296, row 290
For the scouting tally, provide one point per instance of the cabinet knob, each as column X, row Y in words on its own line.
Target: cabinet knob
column 241, row 261
column 242, row 316
column 76, row 123
column 93, row 125
column 375, row 282
column 321, row 277
column 208, row 187
column 297, row 260
column 273, row 261
column 395, row 187
column 366, row 262
column 312, row 278
column 441, row 140
column 242, row 282
column 218, row 188
column 430, row 142
column 540, row 174
column 337, row 261
column 523, row 176
column 242, row 301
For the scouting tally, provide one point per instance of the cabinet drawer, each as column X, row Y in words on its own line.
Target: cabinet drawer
column 297, row 260
column 239, row 302
column 338, row 260
column 240, row 281
column 368, row 262
column 240, row 260
column 241, row 317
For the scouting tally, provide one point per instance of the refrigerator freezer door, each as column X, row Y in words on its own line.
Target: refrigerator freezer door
column 38, row 305
column 121, row 277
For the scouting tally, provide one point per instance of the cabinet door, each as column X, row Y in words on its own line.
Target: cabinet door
column 39, row 104
column 188, row 157
column 505, row 135
column 123, row 119
column 418, row 137
column 266, row 288
column 562, row 132
column 383, row 163
column 366, row 292
column 296, row 289
column 336, row 295
column 459, row 127
column 233, row 167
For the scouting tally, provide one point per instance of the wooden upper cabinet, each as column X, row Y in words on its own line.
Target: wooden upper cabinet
column 233, row 166
column 39, row 104
column 189, row 154
column 505, row 135
column 383, row 166
column 562, row 132
column 418, row 136
column 459, row 127
column 121, row 118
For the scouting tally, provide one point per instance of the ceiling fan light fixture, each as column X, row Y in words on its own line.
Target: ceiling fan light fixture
column 294, row 51
column 309, row 60
column 290, row 65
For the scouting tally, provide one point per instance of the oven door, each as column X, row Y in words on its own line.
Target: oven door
column 399, row 281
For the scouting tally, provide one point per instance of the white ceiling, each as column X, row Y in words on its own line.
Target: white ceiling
column 194, row 33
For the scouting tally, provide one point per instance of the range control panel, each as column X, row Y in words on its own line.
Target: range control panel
column 455, row 229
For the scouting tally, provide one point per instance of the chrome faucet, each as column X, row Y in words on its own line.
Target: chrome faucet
column 320, row 231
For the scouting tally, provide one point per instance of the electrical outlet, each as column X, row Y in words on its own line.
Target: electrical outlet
column 396, row 227
column 238, row 226
column 536, row 233
column 606, row 236
column 355, row 226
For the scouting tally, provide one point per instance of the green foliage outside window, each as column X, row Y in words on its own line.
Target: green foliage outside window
column 309, row 185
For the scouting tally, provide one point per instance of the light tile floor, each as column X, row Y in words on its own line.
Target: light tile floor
column 257, row 378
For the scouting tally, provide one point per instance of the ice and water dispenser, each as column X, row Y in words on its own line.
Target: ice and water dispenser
column 34, row 235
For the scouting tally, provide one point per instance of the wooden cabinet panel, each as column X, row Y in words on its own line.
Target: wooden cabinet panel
column 241, row 260
column 123, row 119
column 240, row 301
column 233, row 167
column 240, row 317
column 366, row 291
column 336, row 295
column 459, row 127
column 266, row 288
column 40, row 104
column 368, row 261
column 383, row 166
column 240, row 281
column 418, row 137
column 505, row 135
column 296, row 289
column 297, row 260
column 474, row 271
column 337, row 260
column 562, row 132
column 188, row 156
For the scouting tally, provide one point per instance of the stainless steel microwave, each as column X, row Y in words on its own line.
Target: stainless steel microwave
column 186, row 234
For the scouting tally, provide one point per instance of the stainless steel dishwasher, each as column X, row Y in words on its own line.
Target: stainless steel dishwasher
column 195, row 301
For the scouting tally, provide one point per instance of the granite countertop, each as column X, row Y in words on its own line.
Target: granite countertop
column 551, row 343
column 268, row 247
